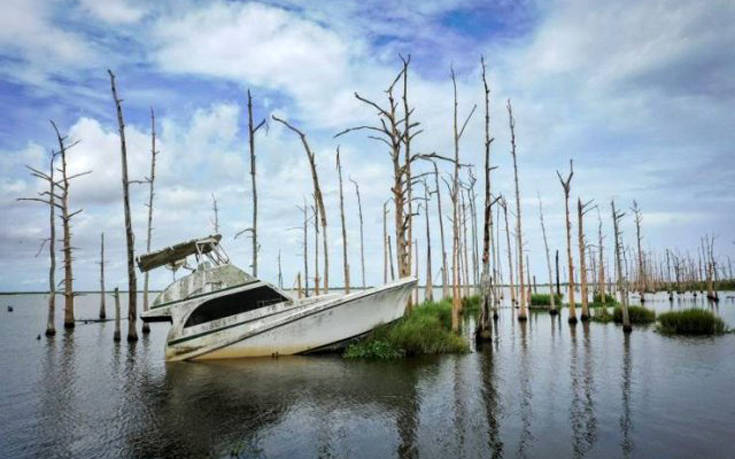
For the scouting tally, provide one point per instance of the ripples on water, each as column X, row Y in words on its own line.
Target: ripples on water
column 541, row 388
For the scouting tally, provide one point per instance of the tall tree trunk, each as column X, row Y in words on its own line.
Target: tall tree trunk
column 582, row 265
column 345, row 261
column 642, row 287
column 558, row 285
column 390, row 257
column 522, row 314
column 465, row 261
column 66, row 226
column 129, row 237
column 315, row 211
column 151, row 182
column 50, row 327
column 306, row 249
column 566, row 185
column 103, row 314
column 252, row 129
column 552, row 299
column 622, row 288
column 317, row 196
column 362, row 239
column 513, row 300
column 429, row 291
column 116, row 335
column 386, row 257
column 601, row 261
column 440, row 216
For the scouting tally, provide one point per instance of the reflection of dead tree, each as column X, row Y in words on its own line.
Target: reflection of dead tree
column 552, row 297
column 362, row 239
column 317, row 195
column 129, row 237
column 522, row 314
column 566, row 185
column 582, row 209
column 151, row 180
column 621, row 281
column 345, row 261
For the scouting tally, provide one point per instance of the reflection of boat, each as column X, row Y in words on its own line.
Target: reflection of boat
column 219, row 311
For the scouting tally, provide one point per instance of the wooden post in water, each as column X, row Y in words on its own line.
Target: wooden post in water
column 116, row 335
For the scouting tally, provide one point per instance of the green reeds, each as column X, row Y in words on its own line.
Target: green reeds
column 544, row 299
column 691, row 322
column 426, row 330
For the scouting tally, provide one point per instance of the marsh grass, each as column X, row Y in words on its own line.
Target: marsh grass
column 638, row 315
column 426, row 330
column 599, row 301
column 544, row 299
column 691, row 322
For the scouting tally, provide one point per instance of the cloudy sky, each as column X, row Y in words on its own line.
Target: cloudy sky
column 639, row 94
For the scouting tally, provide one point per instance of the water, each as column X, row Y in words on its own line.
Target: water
column 540, row 389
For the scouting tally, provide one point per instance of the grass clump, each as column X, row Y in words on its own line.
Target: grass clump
column 544, row 299
column 691, row 322
column 599, row 301
column 471, row 304
column 426, row 330
column 638, row 315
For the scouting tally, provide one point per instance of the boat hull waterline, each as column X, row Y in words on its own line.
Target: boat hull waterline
column 297, row 329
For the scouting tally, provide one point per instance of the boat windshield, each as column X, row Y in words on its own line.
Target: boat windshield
column 236, row 303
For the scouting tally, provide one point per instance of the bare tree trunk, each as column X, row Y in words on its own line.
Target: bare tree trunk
column 386, row 256
column 618, row 263
column 362, row 239
column 390, row 254
column 130, row 238
column 504, row 205
column 445, row 281
column 317, row 196
column 406, row 138
column 642, row 283
column 345, row 261
column 566, row 186
column 215, row 215
column 315, row 211
column 151, row 181
column 456, row 302
column 558, row 285
column 251, row 143
column 306, row 249
column 299, row 290
column 418, row 280
column 465, row 261
column 429, row 292
column 50, row 327
column 601, row 273
column 581, row 210
column 103, row 314
column 552, row 299
column 116, row 335
column 522, row 314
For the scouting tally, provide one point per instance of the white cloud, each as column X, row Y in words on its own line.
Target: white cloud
column 113, row 11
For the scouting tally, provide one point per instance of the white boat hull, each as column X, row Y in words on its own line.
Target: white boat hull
column 299, row 329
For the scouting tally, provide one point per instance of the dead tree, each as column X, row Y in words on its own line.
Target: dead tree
column 317, row 195
column 621, row 282
column 552, row 299
column 280, row 273
column 440, row 216
column 455, row 190
column 390, row 257
column 103, row 314
column 362, row 239
column 386, row 256
column 472, row 197
column 601, row 262
column 305, row 211
column 463, row 228
column 315, row 212
column 566, row 185
column 429, row 292
column 488, row 277
column 641, row 281
column 522, row 314
column 582, row 209
column 51, row 201
column 558, row 285
column 406, row 139
column 345, row 261
column 116, row 335
column 251, row 143
column 504, row 205
column 129, row 237
column 215, row 214
column 151, row 182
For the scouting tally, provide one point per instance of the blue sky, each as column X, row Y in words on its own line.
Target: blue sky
column 640, row 94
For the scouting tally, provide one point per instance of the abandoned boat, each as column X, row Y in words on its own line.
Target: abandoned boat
column 218, row 311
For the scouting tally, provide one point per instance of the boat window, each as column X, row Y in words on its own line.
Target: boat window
column 235, row 303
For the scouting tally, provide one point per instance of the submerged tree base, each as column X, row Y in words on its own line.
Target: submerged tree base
column 691, row 322
column 427, row 329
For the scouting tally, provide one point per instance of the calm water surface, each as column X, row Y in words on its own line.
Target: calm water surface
column 540, row 389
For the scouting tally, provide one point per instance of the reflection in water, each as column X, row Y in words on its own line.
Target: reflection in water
column 590, row 433
column 626, row 423
column 526, row 395
column 407, row 418
column 490, row 397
